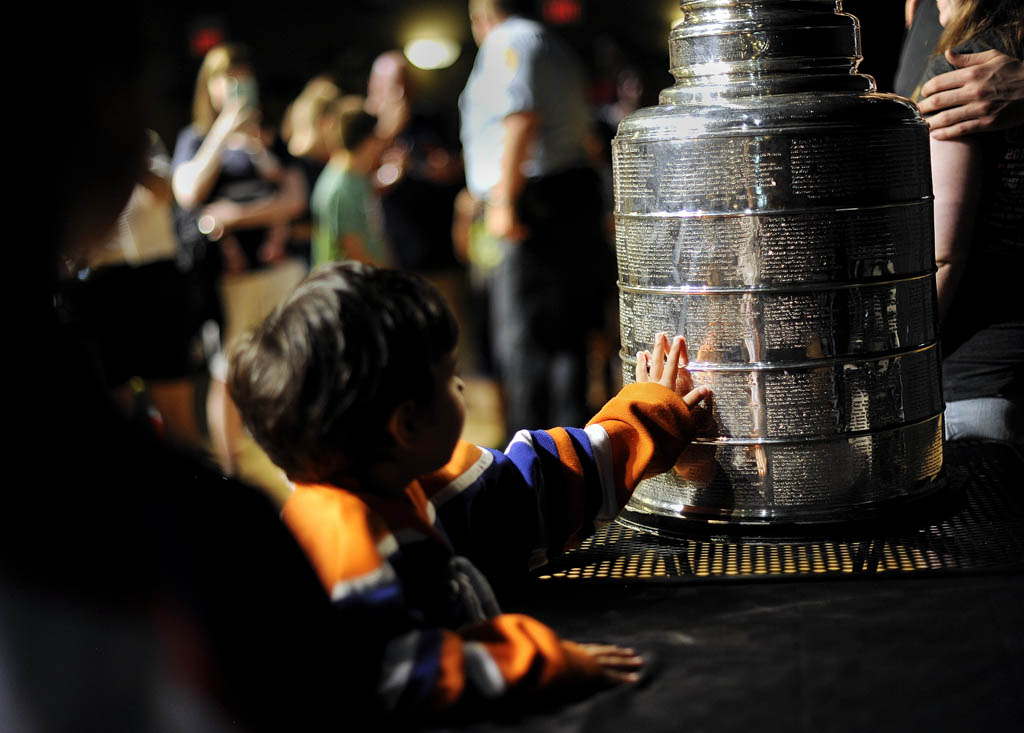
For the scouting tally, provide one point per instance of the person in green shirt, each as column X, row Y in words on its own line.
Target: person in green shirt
column 348, row 222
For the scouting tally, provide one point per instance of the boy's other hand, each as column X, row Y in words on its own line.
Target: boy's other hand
column 619, row 665
column 667, row 367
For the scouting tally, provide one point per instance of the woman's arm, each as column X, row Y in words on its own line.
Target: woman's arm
column 193, row 181
column 956, row 182
column 282, row 207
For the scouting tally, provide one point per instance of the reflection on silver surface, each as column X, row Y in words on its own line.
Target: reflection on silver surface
column 796, row 481
column 776, row 211
column 816, row 400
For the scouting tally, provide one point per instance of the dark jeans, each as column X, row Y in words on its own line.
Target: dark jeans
column 546, row 296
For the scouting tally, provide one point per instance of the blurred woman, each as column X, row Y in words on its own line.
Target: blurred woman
column 979, row 242
column 306, row 120
column 130, row 304
column 239, row 194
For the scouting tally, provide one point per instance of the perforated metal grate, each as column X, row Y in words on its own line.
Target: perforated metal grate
column 976, row 524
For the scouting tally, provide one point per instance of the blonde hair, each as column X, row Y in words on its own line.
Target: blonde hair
column 218, row 60
column 302, row 114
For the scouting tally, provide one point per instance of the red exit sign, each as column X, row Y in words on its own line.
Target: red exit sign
column 562, row 12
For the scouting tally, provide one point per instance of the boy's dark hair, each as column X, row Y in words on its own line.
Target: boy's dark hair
column 317, row 381
column 355, row 124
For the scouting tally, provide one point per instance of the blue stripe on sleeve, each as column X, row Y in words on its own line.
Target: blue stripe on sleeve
column 591, row 480
column 424, row 672
column 554, row 503
column 383, row 607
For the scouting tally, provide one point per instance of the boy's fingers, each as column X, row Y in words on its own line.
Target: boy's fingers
column 595, row 649
column 657, row 364
column 618, row 664
column 598, row 648
column 641, row 366
column 694, row 396
column 684, row 355
column 612, row 654
column 684, row 382
column 617, row 661
column 668, row 376
column 621, row 678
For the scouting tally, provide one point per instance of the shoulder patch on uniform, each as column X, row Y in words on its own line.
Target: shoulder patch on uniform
column 512, row 59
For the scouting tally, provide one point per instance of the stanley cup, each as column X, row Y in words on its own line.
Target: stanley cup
column 776, row 211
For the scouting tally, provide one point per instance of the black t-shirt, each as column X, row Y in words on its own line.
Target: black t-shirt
column 300, row 245
column 239, row 180
column 418, row 210
column 983, row 335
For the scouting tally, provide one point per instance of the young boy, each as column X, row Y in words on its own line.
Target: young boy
column 348, row 222
column 350, row 387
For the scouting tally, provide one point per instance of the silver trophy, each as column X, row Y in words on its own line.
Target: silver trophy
column 776, row 211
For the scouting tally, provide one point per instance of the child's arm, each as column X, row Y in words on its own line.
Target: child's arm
column 418, row 666
column 507, row 511
column 508, row 656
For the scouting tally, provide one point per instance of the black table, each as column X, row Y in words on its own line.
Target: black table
column 891, row 625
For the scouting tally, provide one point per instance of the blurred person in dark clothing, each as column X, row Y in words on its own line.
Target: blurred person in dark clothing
column 419, row 175
column 139, row 589
column 135, row 308
column 979, row 242
column 418, row 178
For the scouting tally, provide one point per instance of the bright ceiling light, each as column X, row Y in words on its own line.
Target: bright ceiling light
column 432, row 53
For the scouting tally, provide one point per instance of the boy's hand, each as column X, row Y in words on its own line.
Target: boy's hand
column 669, row 371
column 618, row 664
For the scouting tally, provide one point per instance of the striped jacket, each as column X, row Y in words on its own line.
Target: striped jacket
column 408, row 569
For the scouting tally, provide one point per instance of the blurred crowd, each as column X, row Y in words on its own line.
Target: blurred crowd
column 229, row 217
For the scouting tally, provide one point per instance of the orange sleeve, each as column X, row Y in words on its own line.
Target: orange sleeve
column 648, row 426
column 508, row 655
column 338, row 533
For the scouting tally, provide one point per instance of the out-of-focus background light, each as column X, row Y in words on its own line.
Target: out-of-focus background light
column 673, row 13
column 432, row 53
column 562, row 12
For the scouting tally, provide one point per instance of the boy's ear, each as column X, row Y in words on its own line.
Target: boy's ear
column 403, row 424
